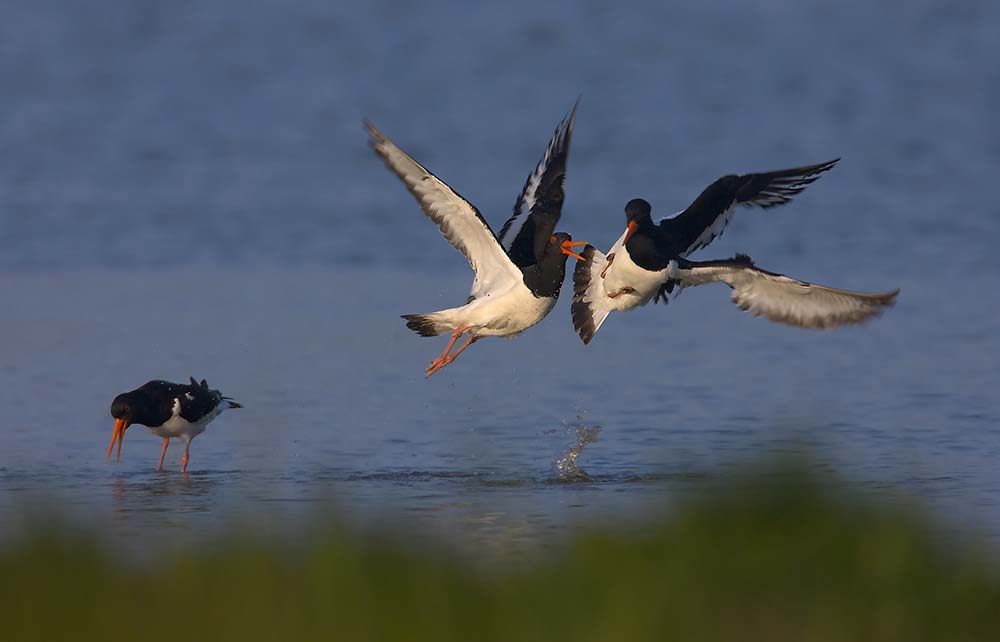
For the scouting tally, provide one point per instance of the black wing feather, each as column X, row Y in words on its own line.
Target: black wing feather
column 539, row 206
column 706, row 218
column 197, row 400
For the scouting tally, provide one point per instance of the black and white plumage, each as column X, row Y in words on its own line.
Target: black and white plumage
column 706, row 218
column 628, row 285
column 648, row 262
column 781, row 298
column 169, row 410
column 539, row 205
column 517, row 276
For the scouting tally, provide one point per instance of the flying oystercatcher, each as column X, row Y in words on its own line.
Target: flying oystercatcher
column 519, row 274
column 169, row 410
column 650, row 259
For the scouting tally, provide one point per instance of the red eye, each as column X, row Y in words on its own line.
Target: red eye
column 552, row 240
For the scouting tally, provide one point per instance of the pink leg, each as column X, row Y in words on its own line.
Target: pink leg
column 451, row 357
column 440, row 361
column 185, row 457
column 607, row 266
column 159, row 466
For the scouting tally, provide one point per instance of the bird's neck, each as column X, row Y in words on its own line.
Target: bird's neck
column 545, row 278
column 647, row 250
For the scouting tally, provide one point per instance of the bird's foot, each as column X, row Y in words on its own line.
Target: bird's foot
column 440, row 363
column 618, row 293
column 445, row 359
column 437, row 364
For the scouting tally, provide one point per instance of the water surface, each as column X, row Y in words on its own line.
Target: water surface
column 185, row 190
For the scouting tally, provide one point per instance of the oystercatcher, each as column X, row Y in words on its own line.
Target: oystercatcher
column 650, row 259
column 169, row 410
column 519, row 274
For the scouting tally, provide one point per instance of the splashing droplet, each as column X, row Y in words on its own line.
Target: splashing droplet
column 566, row 465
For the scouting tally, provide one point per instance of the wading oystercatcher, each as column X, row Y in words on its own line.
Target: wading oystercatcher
column 519, row 274
column 169, row 410
column 650, row 259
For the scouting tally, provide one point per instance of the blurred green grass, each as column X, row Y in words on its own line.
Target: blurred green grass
column 777, row 555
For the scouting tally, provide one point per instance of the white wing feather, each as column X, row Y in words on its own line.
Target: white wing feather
column 526, row 201
column 787, row 300
column 459, row 221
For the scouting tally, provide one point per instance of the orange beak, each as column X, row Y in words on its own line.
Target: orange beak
column 565, row 247
column 119, row 436
column 632, row 227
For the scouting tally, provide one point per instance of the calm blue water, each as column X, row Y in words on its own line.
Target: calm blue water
column 185, row 189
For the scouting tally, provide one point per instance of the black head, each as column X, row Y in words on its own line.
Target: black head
column 121, row 408
column 129, row 408
column 639, row 211
column 559, row 247
column 546, row 277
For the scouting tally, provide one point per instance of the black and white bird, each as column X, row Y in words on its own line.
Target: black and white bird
column 650, row 259
column 518, row 275
column 169, row 410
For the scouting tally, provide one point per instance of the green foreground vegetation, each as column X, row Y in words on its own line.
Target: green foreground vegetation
column 792, row 560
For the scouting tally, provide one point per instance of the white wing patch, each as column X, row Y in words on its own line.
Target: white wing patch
column 459, row 221
column 523, row 207
column 760, row 189
column 711, row 232
column 786, row 300
column 528, row 197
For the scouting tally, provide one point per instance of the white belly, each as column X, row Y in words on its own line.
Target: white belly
column 624, row 274
column 178, row 427
column 501, row 314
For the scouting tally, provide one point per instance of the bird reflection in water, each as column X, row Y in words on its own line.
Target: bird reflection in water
column 145, row 494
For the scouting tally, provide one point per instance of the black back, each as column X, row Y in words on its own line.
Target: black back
column 152, row 404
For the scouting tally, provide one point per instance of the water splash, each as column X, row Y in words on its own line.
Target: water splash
column 566, row 465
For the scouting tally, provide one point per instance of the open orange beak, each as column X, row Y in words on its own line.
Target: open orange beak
column 565, row 247
column 118, row 436
column 632, row 227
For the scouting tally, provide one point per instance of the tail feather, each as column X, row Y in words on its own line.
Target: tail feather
column 590, row 307
column 422, row 324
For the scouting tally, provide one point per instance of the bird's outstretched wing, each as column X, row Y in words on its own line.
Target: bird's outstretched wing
column 707, row 217
column 781, row 298
column 459, row 221
column 539, row 206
